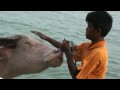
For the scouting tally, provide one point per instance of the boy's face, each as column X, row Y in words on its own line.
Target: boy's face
column 91, row 32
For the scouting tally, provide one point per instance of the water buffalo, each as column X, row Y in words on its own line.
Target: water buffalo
column 21, row 54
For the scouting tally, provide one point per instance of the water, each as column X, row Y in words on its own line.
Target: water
column 59, row 25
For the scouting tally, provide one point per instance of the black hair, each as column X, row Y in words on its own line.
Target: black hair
column 100, row 19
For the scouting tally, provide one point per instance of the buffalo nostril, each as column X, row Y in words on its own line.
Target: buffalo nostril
column 57, row 51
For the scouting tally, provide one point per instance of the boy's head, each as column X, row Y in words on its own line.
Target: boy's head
column 101, row 21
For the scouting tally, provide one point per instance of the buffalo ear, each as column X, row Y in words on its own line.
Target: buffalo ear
column 9, row 42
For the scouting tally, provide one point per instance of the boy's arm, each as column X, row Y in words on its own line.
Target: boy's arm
column 71, row 65
column 54, row 42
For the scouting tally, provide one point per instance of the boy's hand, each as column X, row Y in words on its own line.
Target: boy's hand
column 41, row 35
column 65, row 46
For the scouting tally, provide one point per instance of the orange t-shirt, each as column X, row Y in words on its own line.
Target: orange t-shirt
column 94, row 60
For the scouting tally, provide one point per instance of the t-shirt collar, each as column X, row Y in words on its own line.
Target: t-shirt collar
column 98, row 44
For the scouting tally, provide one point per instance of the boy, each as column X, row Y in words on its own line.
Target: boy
column 93, row 55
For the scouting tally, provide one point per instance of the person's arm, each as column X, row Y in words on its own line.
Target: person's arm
column 71, row 65
column 54, row 42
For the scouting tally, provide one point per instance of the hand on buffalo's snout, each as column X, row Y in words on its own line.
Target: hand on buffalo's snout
column 66, row 46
